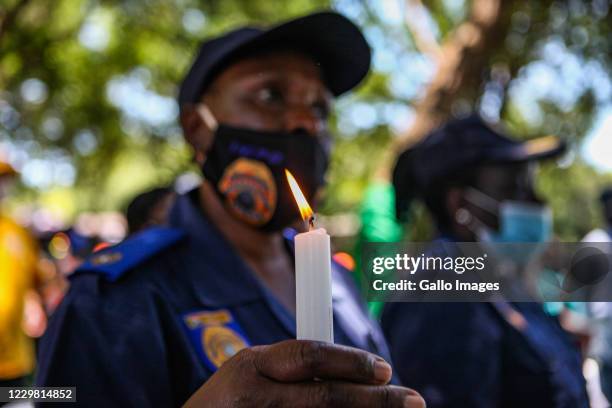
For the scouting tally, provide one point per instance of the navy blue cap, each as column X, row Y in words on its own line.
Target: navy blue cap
column 457, row 146
column 331, row 39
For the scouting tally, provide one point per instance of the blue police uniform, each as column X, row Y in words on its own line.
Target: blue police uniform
column 482, row 355
column 147, row 322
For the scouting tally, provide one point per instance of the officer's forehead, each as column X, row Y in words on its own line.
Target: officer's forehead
column 285, row 63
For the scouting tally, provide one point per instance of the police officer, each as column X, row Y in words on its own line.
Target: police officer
column 478, row 185
column 201, row 312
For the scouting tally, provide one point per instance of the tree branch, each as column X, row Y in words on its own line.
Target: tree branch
column 463, row 56
column 424, row 38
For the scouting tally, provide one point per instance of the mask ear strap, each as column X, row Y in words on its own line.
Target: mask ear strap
column 482, row 200
column 208, row 117
column 465, row 218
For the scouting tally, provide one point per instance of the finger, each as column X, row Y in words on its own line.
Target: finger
column 342, row 394
column 301, row 360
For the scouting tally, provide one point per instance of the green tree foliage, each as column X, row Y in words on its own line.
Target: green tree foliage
column 87, row 89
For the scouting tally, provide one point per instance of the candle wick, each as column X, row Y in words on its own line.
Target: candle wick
column 311, row 221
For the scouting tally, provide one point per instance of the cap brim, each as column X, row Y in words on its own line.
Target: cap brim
column 541, row 148
column 416, row 170
column 332, row 40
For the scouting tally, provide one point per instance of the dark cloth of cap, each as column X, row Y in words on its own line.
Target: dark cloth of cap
column 458, row 146
column 334, row 42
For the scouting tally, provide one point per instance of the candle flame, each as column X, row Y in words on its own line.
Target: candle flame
column 305, row 210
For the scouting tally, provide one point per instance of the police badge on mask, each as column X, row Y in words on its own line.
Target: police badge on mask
column 246, row 168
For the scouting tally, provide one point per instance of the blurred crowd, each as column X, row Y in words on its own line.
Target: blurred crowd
column 35, row 268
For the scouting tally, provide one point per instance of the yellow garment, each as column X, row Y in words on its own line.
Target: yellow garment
column 18, row 274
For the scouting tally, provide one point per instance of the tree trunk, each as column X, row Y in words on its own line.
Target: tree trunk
column 462, row 60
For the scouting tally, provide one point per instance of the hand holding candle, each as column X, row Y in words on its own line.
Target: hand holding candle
column 314, row 312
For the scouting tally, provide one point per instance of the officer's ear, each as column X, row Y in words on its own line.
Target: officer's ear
column 459, row 212
column 196, row 133
column 454, row 200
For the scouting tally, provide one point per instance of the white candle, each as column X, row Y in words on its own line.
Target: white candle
column 313, row 294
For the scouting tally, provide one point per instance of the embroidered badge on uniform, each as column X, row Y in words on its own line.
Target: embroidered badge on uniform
column 106, row 258
column 215, row 335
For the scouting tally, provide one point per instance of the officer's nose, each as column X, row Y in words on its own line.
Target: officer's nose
column 303, row 119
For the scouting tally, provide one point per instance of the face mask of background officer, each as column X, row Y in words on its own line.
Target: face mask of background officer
column 501, row 206
column 262, row 112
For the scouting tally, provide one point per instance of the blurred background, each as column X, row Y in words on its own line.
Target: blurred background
column 88, row 113
column 88, row 116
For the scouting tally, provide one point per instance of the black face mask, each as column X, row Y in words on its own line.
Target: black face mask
column 247, row 169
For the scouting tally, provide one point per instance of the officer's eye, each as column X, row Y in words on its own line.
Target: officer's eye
column 269, row 95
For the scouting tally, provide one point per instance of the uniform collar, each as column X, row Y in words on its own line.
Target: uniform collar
column 219, row 275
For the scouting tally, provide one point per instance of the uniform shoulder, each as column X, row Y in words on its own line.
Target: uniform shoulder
column 114, row 262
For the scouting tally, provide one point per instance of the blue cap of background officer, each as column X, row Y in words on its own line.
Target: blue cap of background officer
column 246, row 166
